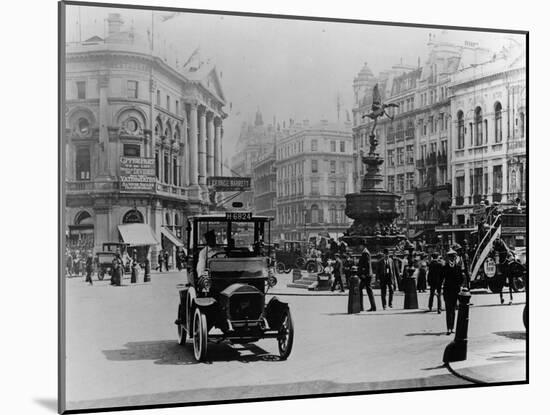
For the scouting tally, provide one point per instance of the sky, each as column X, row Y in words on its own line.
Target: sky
column 285, row 68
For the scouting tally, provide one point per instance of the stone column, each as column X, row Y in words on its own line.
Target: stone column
column 202, row 146
column 193, row 146
column 504, row 181
column 185, row 156
column 217, row 148
column 210, row 144
column 467, row 190
column 489, row 191
column 104, row 164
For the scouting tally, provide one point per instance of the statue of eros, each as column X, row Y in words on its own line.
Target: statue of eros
column 378, row 109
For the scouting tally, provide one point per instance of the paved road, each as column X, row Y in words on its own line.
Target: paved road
column 122, row 349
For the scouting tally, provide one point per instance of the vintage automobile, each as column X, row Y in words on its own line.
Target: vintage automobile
column 227, row 299
column 106, row 255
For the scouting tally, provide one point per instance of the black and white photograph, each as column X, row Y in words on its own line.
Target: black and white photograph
column 258, row 207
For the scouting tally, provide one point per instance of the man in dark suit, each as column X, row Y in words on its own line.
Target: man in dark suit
column 386, row 275
column 338, row 271
column 435, row 268
column 365, row 274
column 453, row 277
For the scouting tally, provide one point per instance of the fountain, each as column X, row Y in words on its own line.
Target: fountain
column 373, row 208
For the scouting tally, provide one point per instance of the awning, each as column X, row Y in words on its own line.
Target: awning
column 137, row 234
column 170, row 236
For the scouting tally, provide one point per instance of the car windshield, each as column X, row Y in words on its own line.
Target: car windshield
column 243, row 234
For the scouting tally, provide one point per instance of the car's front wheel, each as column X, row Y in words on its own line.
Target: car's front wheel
column 200, row 335
column 286, row 336
column 182, row 332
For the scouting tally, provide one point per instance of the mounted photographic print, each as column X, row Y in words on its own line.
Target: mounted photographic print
column 259, row 207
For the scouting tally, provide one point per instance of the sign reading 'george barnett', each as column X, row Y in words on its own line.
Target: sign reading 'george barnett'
column 137, row 173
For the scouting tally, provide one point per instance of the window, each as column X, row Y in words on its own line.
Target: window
column 497, row 179
column 431, row 122
column 333, row 166
column 314, row 145
column 391, row 161
column 314, row 168
column 158, row 96
column 410, row 154
column 131, row 150
column 391, row 183
column 400, row 160
column 157, row 166
column 332, row 188
column 459, row 186
column 460, row 117
column 444, row 148
column 132, row 89
column 478, row 121
column 410, row 181
column 175, row 171
column 166, row 168
column 342, row 146
column 168, row 102
column 81, row 90
column 315, row 186
column 177, row 107
column 333, row 214
column 498, row 122
column 83, row 164
column 314, row 214
column 342, row 188
column 423, row 148
column 401, row 183
column 333, row 146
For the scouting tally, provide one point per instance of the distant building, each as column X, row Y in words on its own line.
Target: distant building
column 264, row 185
column 314, row 172
column 125, row 102
column 488, row 153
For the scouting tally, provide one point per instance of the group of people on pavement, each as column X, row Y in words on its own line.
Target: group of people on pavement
column 444, row 277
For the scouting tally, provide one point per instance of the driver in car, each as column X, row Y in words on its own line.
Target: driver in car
column 208, row 251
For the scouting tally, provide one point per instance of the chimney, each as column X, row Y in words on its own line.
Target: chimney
column 114, row 23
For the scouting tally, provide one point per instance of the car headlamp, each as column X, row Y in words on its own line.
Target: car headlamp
column 205, row 282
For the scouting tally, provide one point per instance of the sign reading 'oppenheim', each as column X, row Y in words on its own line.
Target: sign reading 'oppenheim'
column 137, row 173
column 222, row 183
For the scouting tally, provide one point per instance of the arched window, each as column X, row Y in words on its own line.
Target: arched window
column 167, row 219
column 342, row 214
column 513, row 188
column 522, row 124
column 498, row 122
column 133, row 216
column 83, row 218
column 460, row 123
column 478, row 127
column 177, row 134
column 176, row 219
column 314, row 214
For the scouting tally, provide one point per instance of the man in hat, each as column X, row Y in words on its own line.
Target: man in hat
column 434, row 280
column 338, row 271
column 89, row 267
column 386, row 275
column 452, row 281
column 207, row 252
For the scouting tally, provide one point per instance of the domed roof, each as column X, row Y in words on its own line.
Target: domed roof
column 365, row 73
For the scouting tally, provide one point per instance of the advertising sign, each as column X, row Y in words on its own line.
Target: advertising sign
column 490, row 267
column 137, row 173
column 229, row 184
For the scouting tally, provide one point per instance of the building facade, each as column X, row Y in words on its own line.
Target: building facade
column 488, row 154
column 314, row 172
column 124, row 101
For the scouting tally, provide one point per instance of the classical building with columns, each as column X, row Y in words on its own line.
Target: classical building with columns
column 124, row 101
column 314, row 173
column 488, row 153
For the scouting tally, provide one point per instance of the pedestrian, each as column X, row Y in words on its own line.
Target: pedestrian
column 386, row 276
column 69, row 264
column 452, row 280
column 365, row 275
column 337, row 273
column 166, row 260
column 503, row 259
column 348, row 264
column 116, row 274
column 160, row 259
column 421, row 275
column 89, row 268
column 435, row 268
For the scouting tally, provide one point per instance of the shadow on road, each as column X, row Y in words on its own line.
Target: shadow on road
column 377, row 313
column 169, row 352
column 514, row 335
column 427, row 333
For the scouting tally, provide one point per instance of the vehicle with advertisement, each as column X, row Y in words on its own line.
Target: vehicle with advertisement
column 227, row 299
column 493, row 259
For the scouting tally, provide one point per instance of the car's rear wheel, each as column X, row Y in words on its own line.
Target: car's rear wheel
column 280, row 267
column 286, row 335
column 300, row 262
column 311, row 266
column 200, row 336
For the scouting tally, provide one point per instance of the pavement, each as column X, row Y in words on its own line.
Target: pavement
column 122, row 348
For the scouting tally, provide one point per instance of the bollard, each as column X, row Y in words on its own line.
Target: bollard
column 354, row 295
column 133, row 277
column 409, row 287
column 457, row 349
column 147, row 273
column 296, row 275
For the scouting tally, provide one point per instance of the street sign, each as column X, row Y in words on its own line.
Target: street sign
column 229, row 184
column 238, row 216
column 490, row 267
column 137, row 173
